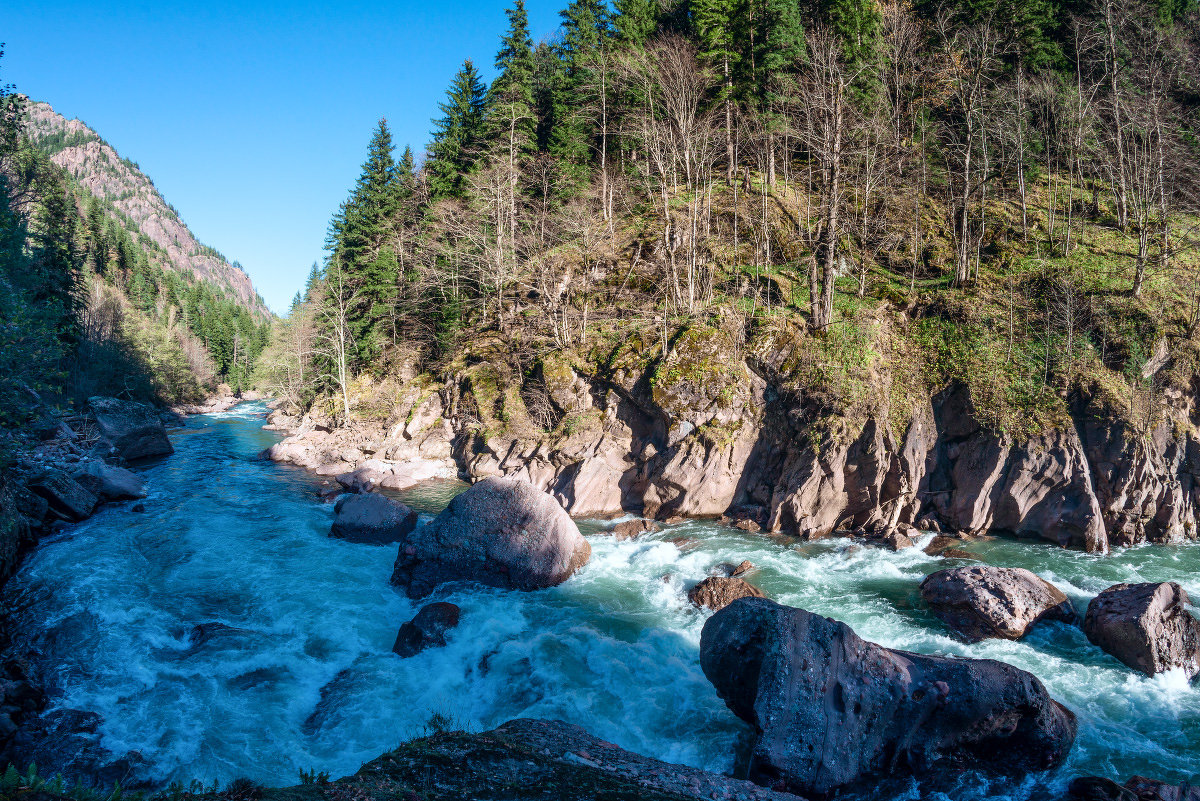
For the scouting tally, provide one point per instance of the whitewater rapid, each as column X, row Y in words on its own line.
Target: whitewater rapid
column 298, row 675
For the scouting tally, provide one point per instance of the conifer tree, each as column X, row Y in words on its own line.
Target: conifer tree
column 358, row 236
column 856, row 22
column 634, row 21
column 717, row 23
column 406, row 173
column 778, row 48
column 585, row 31
column 456, row 133
column 510, row 115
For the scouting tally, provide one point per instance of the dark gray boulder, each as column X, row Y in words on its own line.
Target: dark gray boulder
column 718, row 592
column 832, row 711
column 427, row 629
column 133, row 430
column 64, row 496
column 1146, row 626
column 501, row 532
column 982, row 601
column 1138, row 788
column 372, row 519
column 110, row 483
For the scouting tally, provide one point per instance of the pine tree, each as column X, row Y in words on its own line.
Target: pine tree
column 406, row 174
column 97, row 236
column 857, row 23
column 510, row 103
column 585, row 31
column 56, row 279
column 457, row 133
column 635, row 21
column 358, row 235
column 717, row 23
column 778, row 48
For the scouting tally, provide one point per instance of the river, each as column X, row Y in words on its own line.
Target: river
column 299, row 674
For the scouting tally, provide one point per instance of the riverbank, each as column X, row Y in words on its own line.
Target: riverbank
column 204, row 639
column 701, row 433
column 62, row 471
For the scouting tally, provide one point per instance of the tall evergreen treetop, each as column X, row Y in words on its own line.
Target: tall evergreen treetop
column 635, row 21
column 456, row 133
column 511, row 98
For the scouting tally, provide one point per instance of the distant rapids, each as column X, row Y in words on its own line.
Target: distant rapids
column 299, row 674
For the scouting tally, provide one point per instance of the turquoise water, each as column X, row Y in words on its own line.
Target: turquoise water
column 303, row 678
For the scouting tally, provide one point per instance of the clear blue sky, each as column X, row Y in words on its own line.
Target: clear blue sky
column 253, row 118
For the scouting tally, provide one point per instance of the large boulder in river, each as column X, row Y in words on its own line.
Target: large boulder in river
column 501, row 532
column 372, row 519
column 427, row 629
column 63, row 494
column 134, row 430
column 1146, row 626
column 834, row 711
column 982, row 601
column 718, row 592
column 110, row 483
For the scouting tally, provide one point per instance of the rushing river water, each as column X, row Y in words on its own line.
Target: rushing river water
column 303, row 676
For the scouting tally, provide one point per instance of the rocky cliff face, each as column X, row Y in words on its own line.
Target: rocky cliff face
column 700, row 434
column 98, row 169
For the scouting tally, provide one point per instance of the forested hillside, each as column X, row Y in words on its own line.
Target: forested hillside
column 869, row 200
column 94, row 300
column 129, row 198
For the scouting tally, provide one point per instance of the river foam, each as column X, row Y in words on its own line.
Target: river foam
column 223, row 633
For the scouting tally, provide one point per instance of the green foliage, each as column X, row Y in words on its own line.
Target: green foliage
column 510, row 102
column 310, row 777
column 457, row 133
column 634, row 21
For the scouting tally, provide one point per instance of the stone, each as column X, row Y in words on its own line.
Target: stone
column 632, row 529
column 64, row 496
column 134, row 430
column 29, row 505
column 1146, row 626
column 718, row 592
column 500, row 532
column 1155, row 790
column 893, row 540
column 110, row 483
column 533, row 760
column 362, row 479
column 1096, row 788
column 730, row 570
column 427, row 629
column 877, row 712
column 981, row 601
column 372, row 519
column 939, row 544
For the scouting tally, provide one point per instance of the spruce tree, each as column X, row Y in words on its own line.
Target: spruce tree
column 510, row 106
column 857, row 23
column 717, row 24
column 585, row 30
column 634, row 21
column 457, row 133
column 358, row 234
column 406, row 174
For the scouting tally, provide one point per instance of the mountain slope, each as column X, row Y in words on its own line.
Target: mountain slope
column 136, row 202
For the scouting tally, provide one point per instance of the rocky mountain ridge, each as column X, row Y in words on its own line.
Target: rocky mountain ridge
column 97, row 167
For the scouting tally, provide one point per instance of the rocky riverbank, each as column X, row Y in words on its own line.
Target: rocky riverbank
column 694, row 434
column 68, row 468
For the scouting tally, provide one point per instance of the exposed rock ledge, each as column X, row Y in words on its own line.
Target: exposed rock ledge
column 688, row 444
column 527, row 760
